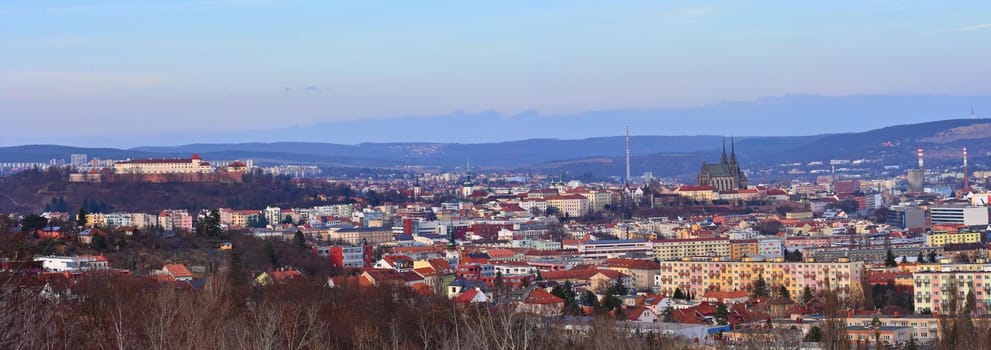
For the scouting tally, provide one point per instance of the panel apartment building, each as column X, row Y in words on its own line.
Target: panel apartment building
column 698, row 277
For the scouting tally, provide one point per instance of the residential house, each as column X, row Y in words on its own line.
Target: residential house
column 595, row 279
column 472, row 296
column 277, row 276
column 537, row 301
column 641, row 314
column 728, row 298
column 176, row 272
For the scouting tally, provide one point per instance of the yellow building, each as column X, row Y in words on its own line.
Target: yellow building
column 939, row 239
column 573, row 205
column 738, row 249
column 698, row 277
column 676, row 249
column 95, row 220
column 362, row 235
column 697, row 193
column 239, row 218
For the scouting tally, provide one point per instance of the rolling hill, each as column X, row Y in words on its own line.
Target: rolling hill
column 602, row 156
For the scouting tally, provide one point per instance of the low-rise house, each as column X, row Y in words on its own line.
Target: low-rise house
column 86, row 237
column 176, row 272
column 641, row 314
column 395, row 262
column 537, row 301
column 278, row 276
column 53, row 232
column 729, row 298
column 389, row 276
column 889, row 335
column 595, row 279
column 459, row 286
column 472, row 296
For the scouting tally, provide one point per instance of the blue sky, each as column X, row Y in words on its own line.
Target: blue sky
column 166, row 71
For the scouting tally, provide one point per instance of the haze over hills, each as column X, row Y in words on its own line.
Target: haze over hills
column 790, row 115
column 677, row 156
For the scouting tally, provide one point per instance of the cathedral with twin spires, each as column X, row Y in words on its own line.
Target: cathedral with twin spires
column 726, row 175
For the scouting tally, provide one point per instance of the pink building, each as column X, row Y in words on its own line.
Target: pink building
column 175, row 220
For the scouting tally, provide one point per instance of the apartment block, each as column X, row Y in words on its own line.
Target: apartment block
column 933, row 288
column 676, row 249
column 701, row 276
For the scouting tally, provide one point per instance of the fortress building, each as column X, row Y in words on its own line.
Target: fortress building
column 194, row 165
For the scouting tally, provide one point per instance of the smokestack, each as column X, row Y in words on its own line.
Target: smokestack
column 966, row 173
column 627, row 154
column 920, row 160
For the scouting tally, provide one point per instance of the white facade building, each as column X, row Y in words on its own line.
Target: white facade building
column 71, row 263
column 970, row 216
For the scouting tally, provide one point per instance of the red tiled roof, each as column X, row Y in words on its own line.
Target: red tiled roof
column 500, row 253
column 356, row 281
column 425, row 271
column 380, row 276
column 440, row 265
column 725, row 295
column 633, row 314
column 580, row 274
column 580, row 189
column 410, row 276
column 423, row 289
column 702, row 239
column 694, row 188
column 178, row 270
column 542, row 297
column 466, row 297
column 413, row 249
column 565, row 197
column 286, row 275
column 511, row 207
column 636, row 264
column 393, row 259
column 158, row 160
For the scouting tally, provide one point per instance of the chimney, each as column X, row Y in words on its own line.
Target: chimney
column 627, row 154
column 966, row 173
column 920, row 160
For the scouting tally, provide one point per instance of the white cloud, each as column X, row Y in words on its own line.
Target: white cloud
column 969, row 28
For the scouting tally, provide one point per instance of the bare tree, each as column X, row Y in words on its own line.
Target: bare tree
column 834, row 334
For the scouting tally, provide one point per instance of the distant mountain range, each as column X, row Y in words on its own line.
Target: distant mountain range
column 600, row 156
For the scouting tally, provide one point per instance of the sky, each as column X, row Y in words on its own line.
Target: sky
column 159, row 72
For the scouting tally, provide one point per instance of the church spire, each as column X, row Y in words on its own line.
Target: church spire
column 732, row 155
column 722, row 160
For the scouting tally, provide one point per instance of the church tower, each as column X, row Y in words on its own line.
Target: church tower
column 452, row 254
column 732, row 155
column 416, row 187
column 467, row 187
column 722, row 159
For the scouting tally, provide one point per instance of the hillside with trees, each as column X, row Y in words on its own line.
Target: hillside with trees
column 34, row 189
